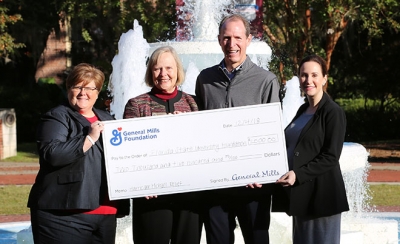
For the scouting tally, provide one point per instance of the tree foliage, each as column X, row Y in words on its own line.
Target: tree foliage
column 294, row 28
column 38, row 19
column 157, row 17
column 97, row 25
column 368, row 69
column 358, row 38
column 7, row 41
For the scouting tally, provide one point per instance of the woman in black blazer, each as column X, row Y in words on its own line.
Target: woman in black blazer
column 69, row 201
column 314, row 141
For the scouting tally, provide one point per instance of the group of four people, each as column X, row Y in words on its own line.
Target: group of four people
column 69, row 201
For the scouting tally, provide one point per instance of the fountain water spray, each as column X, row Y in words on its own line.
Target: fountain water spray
column 201, row 51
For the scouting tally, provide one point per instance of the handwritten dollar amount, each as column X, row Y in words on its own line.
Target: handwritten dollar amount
column 160, row 166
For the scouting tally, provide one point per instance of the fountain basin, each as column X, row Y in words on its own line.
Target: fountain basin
column 281, row 231
column 373, row 230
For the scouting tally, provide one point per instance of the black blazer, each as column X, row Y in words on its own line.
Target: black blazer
column 319, row 188
column 68, row 178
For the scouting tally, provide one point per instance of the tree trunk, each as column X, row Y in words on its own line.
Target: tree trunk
column 331, row 40
column 332, row 36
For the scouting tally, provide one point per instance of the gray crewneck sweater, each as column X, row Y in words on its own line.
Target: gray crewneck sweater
column 251, row 85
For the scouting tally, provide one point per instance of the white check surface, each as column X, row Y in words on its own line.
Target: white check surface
column 194, row 151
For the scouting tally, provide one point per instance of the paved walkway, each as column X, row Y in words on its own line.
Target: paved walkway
column 25, row 173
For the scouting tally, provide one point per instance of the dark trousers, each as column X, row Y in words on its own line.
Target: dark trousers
column 159, row 222
column 252, row 212
column 314, row 230
column 62, row 227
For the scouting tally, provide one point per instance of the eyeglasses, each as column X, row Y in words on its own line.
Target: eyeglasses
column 81, row 88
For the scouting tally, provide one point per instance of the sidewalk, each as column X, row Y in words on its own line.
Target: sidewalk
column 18, row 173
column 388, row 173
column 25, row 173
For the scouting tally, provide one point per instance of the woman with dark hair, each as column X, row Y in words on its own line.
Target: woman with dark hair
column 69, row 201
column 171, row 218
column 314, row 141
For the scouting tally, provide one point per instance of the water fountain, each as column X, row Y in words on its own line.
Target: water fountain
column 127, row 81
column 203, row 51
column 200, row 52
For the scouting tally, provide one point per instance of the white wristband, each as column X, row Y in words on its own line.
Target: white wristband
column 90, row 139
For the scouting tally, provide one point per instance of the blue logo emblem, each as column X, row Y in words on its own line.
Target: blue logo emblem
column 117, row 139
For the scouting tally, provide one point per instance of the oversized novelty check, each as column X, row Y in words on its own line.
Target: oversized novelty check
column 194, row 151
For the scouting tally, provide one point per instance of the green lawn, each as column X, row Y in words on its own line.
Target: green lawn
column 26, row 152
column 385, row 195
column 13, row 198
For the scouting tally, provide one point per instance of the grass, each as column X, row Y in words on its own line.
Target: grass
column 26, row 152
column 13, row 199
column 360, row 103
column 385, row 195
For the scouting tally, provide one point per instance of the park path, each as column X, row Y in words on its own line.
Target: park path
column 25, row 173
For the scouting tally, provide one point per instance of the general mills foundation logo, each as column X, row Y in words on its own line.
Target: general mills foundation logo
column 130, row 136
column 117, row 138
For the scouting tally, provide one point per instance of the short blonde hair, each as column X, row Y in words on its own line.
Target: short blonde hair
column 85, row 73
column 153, row 61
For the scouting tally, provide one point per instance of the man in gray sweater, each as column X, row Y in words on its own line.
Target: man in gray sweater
column 235, row 82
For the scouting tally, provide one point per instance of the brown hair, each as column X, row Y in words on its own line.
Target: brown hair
column 148, row 78
column 235, row 17
column 318, row 60
column 85, row 73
